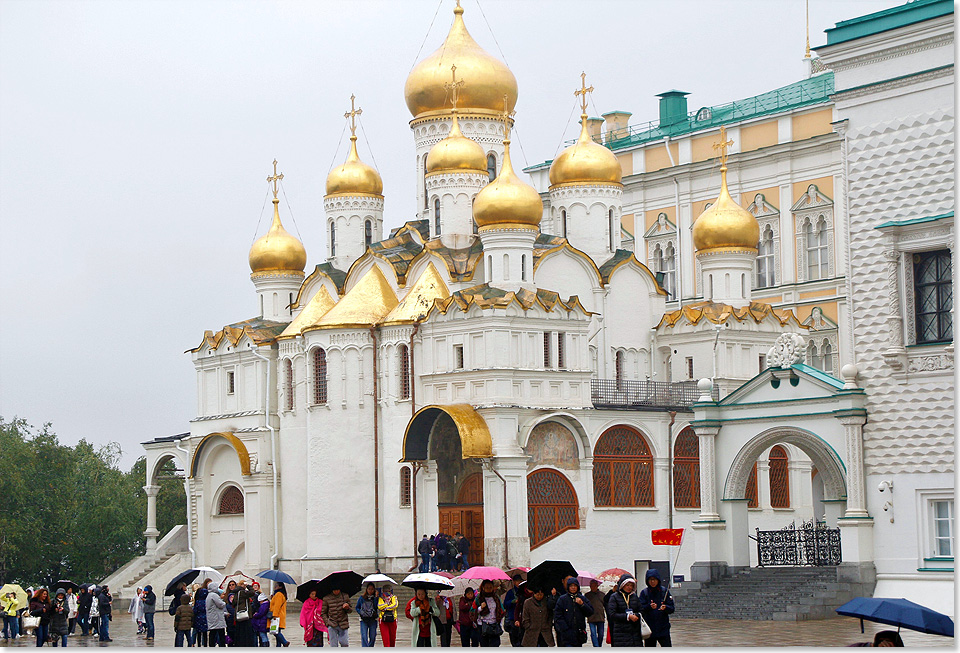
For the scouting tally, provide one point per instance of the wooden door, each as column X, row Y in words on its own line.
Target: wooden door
column 467, row 516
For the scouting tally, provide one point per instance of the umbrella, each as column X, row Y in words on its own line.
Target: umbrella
column 485, row 573
column 277, row 576
column 460, row 585
column 22, row 599
column 550, row 573
column 612, row 574
column 427, row 582
column 65, row 584
column 183, row 577
column 584, row 578
column 379, row 578
column 209, row 572
column 304, row 589
column 236, row 576
column 445, row 574
column 348, row 582
column 900, row 613
column 518, row 570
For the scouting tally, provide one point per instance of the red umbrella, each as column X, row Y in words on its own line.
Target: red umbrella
column 612, row 574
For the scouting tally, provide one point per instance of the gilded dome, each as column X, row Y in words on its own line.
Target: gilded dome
column 585, row 162
column 277, row 250
column 488, row 79
column 725, row 225
column 456, row 152
column 507, row 201
column 354, row 177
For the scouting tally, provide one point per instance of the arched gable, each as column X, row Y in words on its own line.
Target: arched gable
column 242, row 454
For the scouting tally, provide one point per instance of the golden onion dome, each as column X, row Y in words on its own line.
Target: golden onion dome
column 456, row 152
column 725, row 225
column 585, row 162
column 354, row 177
column 507, row 201
column 488, row 79
column 277, row 250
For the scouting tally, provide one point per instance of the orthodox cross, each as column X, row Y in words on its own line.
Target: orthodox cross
column 352, row 115
column 454, row 86
column 275, row 178
column 506, row 116
column 722, row 146
column 582, row 92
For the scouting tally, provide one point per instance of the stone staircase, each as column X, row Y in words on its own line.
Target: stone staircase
column 765, row 594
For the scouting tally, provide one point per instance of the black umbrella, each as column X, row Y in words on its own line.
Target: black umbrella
column 65, row 584
column 187, row 576
column 550, row 573
column 348, row 582
column 84, row 586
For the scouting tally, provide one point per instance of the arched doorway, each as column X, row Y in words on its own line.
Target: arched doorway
column 465, row 515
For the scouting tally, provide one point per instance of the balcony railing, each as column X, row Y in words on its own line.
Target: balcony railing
column 645, row 395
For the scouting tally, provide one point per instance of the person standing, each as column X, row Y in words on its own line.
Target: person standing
column 60, row 617
column 104, row 602
column 445, row 625
column 368, row 610
column 570, row 615
column 440, row 548
column 387, row 604
column 230, row 613
column 469, row 632
column 95, row 609
column 200, row 613
column 421, row 610
column 11, row 623
column 244, row 607
column 656, row 605
column 624, row 611
column 487, row 612
column 260, row 621
column 278, row 606
column 463, row 547
column 149, row 602
column 536, row 620
column 311, row 619
column 183, row 622
column 511, row 622
column 72, row 615
column 216, row 619
column 40, row 607
column 597, row 620
column 424, row 549
column 83, row 610
column 336, row 614
column 135, row 610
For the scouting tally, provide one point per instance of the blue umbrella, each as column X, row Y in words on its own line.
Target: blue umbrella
column 277, row 576
column 900, row 613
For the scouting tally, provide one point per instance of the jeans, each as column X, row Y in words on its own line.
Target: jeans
column 469, row 636
column 104, row 627
column 216, row 637
column 58, row 638
column 42, row 631
column 338, row 636
column 72, row 625
column 11, row 626
column 148, row 619
column 199, row 637
column 662, row 640
column 84, row 620
column 596, row 633
column 463, row 561
column 281, row 640
column 368, row 632
column 433, row 563
column 182, row 635
column 263, row 638
column 388, row 633
column 95, row 624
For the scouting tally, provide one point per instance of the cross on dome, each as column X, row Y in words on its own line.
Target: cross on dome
column 275, row 178
column 454, row 86
column 582, row 92
column 722, row 146
column 506, row 115
column 352, row 115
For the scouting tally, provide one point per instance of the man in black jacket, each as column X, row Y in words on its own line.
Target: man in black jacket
column 424, row 549
column 570, row 615
column 656, row 604
column 84, row 601
column 463, row 546
column 104, row 599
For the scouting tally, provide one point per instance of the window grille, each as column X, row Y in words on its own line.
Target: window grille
column 231, row 502
column 404, row 353
column 288, row 383
column 622, row 469
column 561, row 362
column 458, row 356
column 943, row 529
column 405, row 485
column 669, row 269
column 766, row 271
column 686, row 470
column 563, row 223
column 779, row 478
column 231, row 383
column 933, row 285
column 367, row 233
column 436, row 217
column 319, row 376
column 817, row 249
column 547, row 336
column 552, row 506
column 618, row 369
column 689, row 367
column 752, row 493
column 333, row 239
column 491, row 166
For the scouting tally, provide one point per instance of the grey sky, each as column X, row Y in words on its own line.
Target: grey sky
column 136, row 137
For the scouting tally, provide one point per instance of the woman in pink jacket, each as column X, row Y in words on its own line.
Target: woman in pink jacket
column 312, row 622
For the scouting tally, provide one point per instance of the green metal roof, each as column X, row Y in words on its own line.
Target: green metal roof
column 881, row 21
column 819, row 374
column 904, row 223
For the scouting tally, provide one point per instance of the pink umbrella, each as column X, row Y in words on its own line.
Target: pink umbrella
column 584, row 578
column 485, row 573
column 445, row 574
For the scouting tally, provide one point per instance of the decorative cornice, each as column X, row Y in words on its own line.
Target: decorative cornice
column 467, row 178
column 888, row 85
column 277, row 274
column 572, row 190
column 892, row 53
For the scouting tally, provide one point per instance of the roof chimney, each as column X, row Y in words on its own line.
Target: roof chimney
column 593, row 128
column 673, row 107
column 616, row 124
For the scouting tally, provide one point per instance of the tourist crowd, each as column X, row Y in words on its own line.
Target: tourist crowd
column 51, row 619
column 444, row 553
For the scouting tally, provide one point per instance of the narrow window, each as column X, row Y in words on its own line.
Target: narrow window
column 436, row 216
column 492, row 166
column 367, row 233
column 817, row 261
column 489, row 268
column 669, row 269
column 686, row 470
column 763, row 362
column 288, row 383
column 319, row 376
column 506, row 267
column 826, row 356
column 458, row 356
column 523, row 267
column 933, row 292
column 261, row 305
column 404, row 354
column 765, row 260
column 426, row 198
column 689, row 367
column 333, row 239
column 613, row 246
column 779, row 478
column 561, row 362
column 405, row 485
column 231, row 387
column 547, row 336
column 813, row 356
column 290, row 304
column 943, row 528
column 618, row 369
column 563, row 223
column 752, row 494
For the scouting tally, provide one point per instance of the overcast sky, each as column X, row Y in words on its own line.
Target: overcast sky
column 136, row 138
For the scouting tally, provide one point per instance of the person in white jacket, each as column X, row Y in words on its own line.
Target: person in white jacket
column 216, row 619
column 94, row 612
column 136, row 610
column 73, row 606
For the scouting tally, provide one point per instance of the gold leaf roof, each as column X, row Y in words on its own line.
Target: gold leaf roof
column 720, row 313
column 363, row 306
column 277, row 250
column 461, row 263
column 586, row 162
column 319, row 305
column 419, row 300
column 487, row 296
column 261, row 332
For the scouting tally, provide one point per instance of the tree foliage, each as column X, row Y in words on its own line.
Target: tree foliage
column 71, row 512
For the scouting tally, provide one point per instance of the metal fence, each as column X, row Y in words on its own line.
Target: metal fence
column 811, row 544
column 640, row 395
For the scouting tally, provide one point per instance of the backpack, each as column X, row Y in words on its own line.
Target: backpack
column 368, row 609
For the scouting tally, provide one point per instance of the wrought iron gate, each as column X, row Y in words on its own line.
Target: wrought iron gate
column 811, row 544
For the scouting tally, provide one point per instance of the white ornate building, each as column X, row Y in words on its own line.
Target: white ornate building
column 504, row 367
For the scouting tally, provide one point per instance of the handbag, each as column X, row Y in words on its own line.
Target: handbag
column 645, row 631
column 31, row 622
column 582, row 636
column 491, row 630
column 388, row 617
column 242, row 614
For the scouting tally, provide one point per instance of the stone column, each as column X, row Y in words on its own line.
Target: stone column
column 711, row 556
column 895, row 354
column 151, row 533
column 707, row 433
column 853, row 421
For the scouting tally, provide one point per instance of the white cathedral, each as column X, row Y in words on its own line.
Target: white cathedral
column 473, row 371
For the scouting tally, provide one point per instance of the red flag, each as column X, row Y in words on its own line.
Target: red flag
column 667, row 536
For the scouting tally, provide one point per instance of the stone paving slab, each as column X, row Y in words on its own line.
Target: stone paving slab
column 839, row 631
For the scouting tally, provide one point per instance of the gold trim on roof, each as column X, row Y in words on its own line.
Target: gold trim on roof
column 418, row 301
column 363, row 306
column 242, row 454
column 261, row 332
column 720, row 313
column 539, row 255
column 486, row 296
column 475, row 440
column 318, row 306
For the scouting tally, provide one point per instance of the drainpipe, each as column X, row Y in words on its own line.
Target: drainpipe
column 413, row 499
column 676, row 200
column 416, row 465
column 376, row 452
column 186, row 457
column 506, row 548
column 673, row 418
column 273, row 457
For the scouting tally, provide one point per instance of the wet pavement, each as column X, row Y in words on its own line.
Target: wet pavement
column 840, row 631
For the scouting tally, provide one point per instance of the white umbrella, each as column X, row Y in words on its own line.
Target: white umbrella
column 211, row 573
column 379, row 578
column 460, row 585
column 428, row 582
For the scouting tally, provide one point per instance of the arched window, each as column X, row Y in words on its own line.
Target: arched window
column 817, row 261
column 779, row 478
column 622, row 469
column 686, row 470
column 406, row 484
column 563, row 223
column 552, row 506
column 613, row 235
column 333, row 238
column 492, row 166
column 288, row 383
column 765, row 260
column 231, row 502
column 367, row 233
column 319, row 376
column 826, row 356
column 618, row 368
column 669, row 269
column 436, row 216
column 403, row 353
column 752, row 495
column 813, row 357
column 426, row 198
column 506, row 267
column 523, row 267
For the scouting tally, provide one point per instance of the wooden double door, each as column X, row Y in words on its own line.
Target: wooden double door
column 466, row 516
